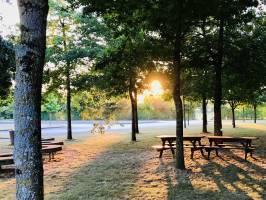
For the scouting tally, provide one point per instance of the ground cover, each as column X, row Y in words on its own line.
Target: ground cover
column 111, row 167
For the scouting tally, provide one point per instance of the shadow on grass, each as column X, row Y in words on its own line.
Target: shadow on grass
column 230, row 178
column 110, row 175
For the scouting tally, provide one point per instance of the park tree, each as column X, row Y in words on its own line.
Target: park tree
column 197, row 76
column 175, row 21
column 124, row 65
column 223, row 16
column 244, row 66
column 30, row 55
column 73, row 42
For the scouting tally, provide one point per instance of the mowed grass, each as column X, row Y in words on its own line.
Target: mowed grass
column 112, row 167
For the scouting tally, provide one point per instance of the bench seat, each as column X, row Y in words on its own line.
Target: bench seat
column 51, row 150
column 229, row 146
column 6, row 161
column 52, row 143
column 161, row 148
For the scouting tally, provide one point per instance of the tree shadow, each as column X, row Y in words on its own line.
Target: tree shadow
column 225, row 177
column 110, row 175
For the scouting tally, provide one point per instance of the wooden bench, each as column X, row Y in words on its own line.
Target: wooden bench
column 218, row 143
column 6, row 161
column 168, row 143
column 161, row 148
column 52, row 143
column 6, row 154
column 51, row 150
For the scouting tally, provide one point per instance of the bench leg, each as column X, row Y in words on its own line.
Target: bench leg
column 209, row 154
column 216, row 151
column 251, row 153
column 161, row 153
column 192, row 154
column 173, row 152
column 246, row 153
column 202, row 153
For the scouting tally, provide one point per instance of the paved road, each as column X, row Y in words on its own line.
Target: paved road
column 82, row 128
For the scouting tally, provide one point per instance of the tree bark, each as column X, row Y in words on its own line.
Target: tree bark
column 255, row 113
column 233, row 116
column 204, row 115
column 133, row 115
column 188, row 109
column 68, row 84
column 136, row 111
column 69, row 125
column 218, row 81
column 184, row 113
column 30, row 56
column 243, row 113
column 180, row 163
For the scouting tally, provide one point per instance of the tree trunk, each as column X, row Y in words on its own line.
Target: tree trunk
column 233, row 116
column 243, row 113
column 68, row 83
column 180, row 163
column 136, row 111
column 188, row 109
column 133, row 116
column 184, row 113
column 30, row 56
column 204, row 115
column 218, row 82
column 255, row 113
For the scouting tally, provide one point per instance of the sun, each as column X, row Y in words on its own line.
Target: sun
column 156, row 88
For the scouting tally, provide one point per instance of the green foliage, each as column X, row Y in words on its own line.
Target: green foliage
column 7, row 65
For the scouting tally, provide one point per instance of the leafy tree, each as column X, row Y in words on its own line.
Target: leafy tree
column 72, row 42
column 124, row 65
column 27, row 112
column 224, row 15
column 7, row 65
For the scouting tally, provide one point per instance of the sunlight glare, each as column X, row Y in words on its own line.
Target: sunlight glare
column 156, row 88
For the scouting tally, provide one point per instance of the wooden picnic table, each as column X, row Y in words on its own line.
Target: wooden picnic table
column 228, row 142
column 168, row 142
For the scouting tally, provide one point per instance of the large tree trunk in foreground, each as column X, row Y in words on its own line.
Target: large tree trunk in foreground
column 133, row 115
column 136, row 111
column 68, row 83
column 27, row 110
column 180, row 163
column 204, row 115
column 255, row 113
column 218, row 82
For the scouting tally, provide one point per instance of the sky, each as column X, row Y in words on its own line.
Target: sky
column 9, row 17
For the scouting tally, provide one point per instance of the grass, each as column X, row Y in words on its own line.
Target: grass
column 111, row 167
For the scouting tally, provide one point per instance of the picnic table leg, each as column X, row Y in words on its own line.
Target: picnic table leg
column 209, row 153
column 201, row 150
column 192, row 153
column 161, row 153
column 216, row 151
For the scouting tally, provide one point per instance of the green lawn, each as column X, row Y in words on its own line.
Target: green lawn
column 111, row 167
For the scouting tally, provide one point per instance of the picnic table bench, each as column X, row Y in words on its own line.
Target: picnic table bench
column 168, row 143
column 225, row 142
